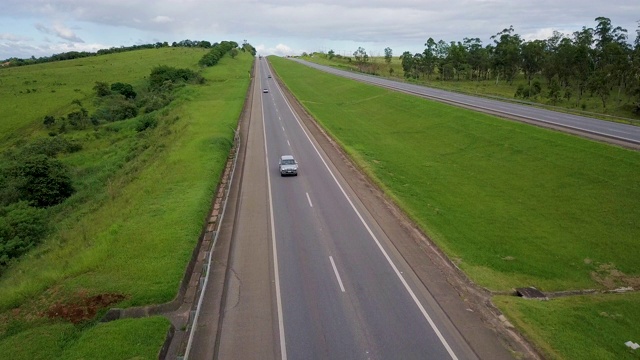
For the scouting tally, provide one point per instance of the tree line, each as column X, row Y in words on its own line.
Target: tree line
column 596, row 62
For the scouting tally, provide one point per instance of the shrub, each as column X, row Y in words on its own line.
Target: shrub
column 21, row 228
column 102, row 89
column 124, row 89
column 115, row 109
column 49, row 121
column 163, row 73
column 41, row 180
column 50, row 146
column 147, row 122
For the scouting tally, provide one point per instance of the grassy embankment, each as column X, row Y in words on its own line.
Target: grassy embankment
column 141, row 200
column 619, row 108
column 512, row 204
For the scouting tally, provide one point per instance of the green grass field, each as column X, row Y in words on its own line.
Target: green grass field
column 141, row 203
column 578, row 327
column 512, row 204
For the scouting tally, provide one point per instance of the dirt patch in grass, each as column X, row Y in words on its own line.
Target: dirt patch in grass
column 83, row 307
column 608, row 276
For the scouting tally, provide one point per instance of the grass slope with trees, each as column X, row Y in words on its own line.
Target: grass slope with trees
column 140, row 138
column 513, row 205
column 594, row 70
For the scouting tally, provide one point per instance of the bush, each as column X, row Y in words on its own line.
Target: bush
column 102, row 89
column 147, row 122
column 49, row 121
column 124, row 89
column 50, row 146
column 115, row 109
column 21, row 228
column 163, row 73
column 41, row 180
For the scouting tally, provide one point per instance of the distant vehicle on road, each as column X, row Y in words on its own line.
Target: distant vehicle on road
column 269, row 76
column 288, row 165
column 265, row 90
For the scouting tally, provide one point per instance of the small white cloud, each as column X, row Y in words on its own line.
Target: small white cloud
column 12, row 37
column 60, row 31
column 161, row 19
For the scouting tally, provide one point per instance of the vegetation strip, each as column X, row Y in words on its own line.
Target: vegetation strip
column 143, row 189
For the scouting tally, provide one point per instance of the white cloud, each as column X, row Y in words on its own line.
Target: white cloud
column 161, row 19
column 13, row 38
column 60, row 31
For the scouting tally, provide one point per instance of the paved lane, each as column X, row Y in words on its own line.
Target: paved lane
column 325, row 242
column 621, row 132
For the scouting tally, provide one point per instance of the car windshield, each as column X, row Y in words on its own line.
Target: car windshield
column 288, row 162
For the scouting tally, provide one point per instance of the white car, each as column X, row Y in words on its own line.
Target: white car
column 265, row 90
column 288, row 165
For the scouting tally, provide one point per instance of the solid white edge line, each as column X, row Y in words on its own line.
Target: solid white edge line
column 373, row 236
column 309, row 198
column 335, row 270
column 276, row 273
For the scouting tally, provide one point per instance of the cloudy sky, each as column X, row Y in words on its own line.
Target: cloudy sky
column 283, row 27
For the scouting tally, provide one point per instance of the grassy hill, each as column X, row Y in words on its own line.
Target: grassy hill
column 142, row 194
column 513, row 205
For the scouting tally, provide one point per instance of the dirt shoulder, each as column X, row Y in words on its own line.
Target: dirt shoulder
column 467, row 305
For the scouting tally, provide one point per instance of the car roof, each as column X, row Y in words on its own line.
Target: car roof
column 286, row 157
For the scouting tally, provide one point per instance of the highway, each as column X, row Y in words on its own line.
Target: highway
column 313, row 272
column 623, row 133
column 343, row 294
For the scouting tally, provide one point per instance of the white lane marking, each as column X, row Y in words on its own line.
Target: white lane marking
column 276, row 273
column 335, row 270
column 308, row 198
column 283, row 128
column 288, row 143
column 375, row 239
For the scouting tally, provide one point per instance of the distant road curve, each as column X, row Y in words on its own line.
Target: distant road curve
column 623, row 134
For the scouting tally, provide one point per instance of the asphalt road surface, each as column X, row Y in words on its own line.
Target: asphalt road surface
column 312, row 275
column 622, row 133
column 343, row 294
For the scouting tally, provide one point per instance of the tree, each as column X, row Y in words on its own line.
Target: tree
column 233, row 52
column 429, row 57
column 477, row 57
column 507, row 53
column 388, row 55
column 456, row 58
column 360, row 55
column 331, row 54
column 533, row 57
column 407, row 63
